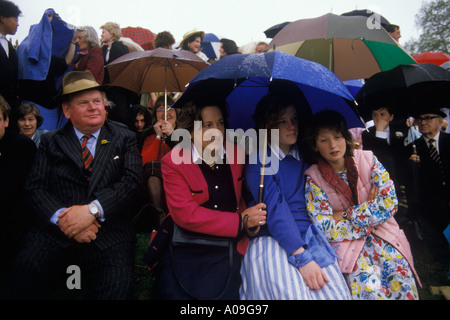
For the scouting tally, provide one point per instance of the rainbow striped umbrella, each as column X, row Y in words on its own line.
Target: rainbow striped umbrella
column 352, row 47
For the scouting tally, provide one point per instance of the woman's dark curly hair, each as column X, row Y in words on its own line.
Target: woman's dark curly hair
column 191, row 112
column 270, row 107
column 329, row 120
column 229, row 46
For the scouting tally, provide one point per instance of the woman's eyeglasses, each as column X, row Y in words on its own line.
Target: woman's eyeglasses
column 161, row 110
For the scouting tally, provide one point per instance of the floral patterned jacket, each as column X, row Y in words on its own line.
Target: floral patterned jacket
column 323, row 197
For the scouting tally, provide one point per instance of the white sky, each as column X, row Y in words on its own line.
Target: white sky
column 243, row 21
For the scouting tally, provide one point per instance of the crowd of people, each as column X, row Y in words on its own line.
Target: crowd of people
column 77, row 189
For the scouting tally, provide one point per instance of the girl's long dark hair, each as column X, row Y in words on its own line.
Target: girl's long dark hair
column 326, row 119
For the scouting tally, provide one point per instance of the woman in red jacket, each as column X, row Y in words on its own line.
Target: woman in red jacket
column 204, row 197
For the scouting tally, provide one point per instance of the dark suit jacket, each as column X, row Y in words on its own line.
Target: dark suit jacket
column 393, row 155
column 9, row 70
column 16, row 157
column 118, row 49
column 57, row 180
column 431, row 180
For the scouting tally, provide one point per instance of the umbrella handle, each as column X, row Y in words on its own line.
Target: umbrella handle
column 261, row 190
column 263, row 167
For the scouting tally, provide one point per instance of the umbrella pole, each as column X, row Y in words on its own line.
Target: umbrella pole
column 261, row 188
column 165, row 96
column 165, row 103
column 165, row 109
column 263, row 168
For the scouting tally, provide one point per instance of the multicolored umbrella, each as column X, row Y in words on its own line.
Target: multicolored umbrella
column 350, row 46
column 437, row 58
column 143, row 37
column 211, row 46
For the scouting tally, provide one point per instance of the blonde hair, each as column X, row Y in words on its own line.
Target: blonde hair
column 114, row 29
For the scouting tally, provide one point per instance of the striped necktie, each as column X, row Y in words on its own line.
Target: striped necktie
column 434, row 154
column 87, row 156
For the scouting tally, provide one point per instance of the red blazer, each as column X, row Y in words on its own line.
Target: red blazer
column 92, row 61
column 186, row 190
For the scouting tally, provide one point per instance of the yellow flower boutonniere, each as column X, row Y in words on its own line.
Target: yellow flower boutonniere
column 104, row 141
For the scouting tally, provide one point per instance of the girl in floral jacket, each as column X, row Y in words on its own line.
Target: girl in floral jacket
column 352, row 200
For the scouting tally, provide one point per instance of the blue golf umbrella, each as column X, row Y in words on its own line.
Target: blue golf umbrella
column 211, row 46
column 243, row 79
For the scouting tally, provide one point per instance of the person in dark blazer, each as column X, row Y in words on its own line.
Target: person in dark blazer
column 204, row 197
column 9, row 67
column 16, row 158
column 112, row 49
column 434, row 176
column 82, row 208
column 386, row 139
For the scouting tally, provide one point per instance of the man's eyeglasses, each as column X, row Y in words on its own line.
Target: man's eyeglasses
column 426, row 118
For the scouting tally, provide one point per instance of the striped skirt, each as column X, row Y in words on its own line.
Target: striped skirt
column 267, row 275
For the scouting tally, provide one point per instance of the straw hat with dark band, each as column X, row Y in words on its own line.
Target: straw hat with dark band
column 78, row 81
column 189, row 34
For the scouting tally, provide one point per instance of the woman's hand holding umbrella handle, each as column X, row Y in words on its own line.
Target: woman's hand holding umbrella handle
column 162, row 128
column 255, row 216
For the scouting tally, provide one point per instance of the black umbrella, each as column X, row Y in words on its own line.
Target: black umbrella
column 272, row 31
column 367, row 13
column 405, row 88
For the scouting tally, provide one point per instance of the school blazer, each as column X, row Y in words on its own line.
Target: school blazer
column 186, row 190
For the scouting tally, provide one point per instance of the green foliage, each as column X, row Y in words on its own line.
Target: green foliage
column 433, row 22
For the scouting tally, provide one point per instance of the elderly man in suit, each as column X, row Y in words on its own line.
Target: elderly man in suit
column 431, row 152
column 82, row 186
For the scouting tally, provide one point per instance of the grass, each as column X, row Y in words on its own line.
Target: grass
column 142, row 275
column 431, row 255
